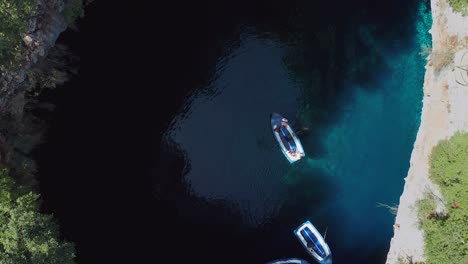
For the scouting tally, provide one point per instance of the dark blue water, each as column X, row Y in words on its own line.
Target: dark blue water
column 226, row 134
column 161, row 150
column 356, row 161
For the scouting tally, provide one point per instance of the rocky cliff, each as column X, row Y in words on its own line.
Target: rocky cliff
column 44, row 28
column 444, row 112
column 20, row 132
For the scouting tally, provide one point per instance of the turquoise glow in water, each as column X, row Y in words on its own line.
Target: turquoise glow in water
column 366, row 152
column 358, row 148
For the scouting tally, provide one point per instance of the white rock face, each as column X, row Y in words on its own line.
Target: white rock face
column 444, row 113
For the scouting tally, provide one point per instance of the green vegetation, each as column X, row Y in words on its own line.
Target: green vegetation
column 400, row 260
column 460, row 6
column 408, row 260
column 14, row 16
column 73, row 10
column 446, row 233
column 26, row 235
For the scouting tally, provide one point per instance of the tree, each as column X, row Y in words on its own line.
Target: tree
column 27, row 235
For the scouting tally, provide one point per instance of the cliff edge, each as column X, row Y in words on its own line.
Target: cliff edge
column 444, row 112
column 44, row 27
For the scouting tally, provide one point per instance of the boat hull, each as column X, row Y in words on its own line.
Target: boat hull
column 288, row 261
column 313, row 242
column 287, row 139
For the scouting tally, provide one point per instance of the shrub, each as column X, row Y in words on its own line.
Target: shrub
column 446, row 236
column 26, row 235
column 460, row 6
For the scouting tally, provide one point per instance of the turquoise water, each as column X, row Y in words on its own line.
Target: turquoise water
column 365, row 154
column 362, row 105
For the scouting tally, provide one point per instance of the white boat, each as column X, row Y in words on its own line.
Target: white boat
column 288, row 141
column 288, row 261
column 314, row 243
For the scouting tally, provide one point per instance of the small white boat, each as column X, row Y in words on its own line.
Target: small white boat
column 288, row 141
column 288, row 261
column 314, row 243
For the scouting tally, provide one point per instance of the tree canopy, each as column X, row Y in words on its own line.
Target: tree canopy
column 26, row 234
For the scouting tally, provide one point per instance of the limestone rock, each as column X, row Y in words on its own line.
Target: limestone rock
column 28, row 40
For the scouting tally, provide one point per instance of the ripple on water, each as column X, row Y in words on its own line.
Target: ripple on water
column 226, row 134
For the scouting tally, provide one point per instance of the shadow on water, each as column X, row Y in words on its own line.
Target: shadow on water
column 332, row 43
column 308, row 189
column 120, row 195
column 215, row 228
column 276, row 235
column 207, row 230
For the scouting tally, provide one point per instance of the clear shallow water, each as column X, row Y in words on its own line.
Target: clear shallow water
column 355, row 161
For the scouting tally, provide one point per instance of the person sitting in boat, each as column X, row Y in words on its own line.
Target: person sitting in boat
column 277, row 128
column 284, row 122
column 292, row 152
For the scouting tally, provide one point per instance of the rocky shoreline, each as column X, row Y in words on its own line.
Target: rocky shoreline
column 444, row 113
column 41, row 66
